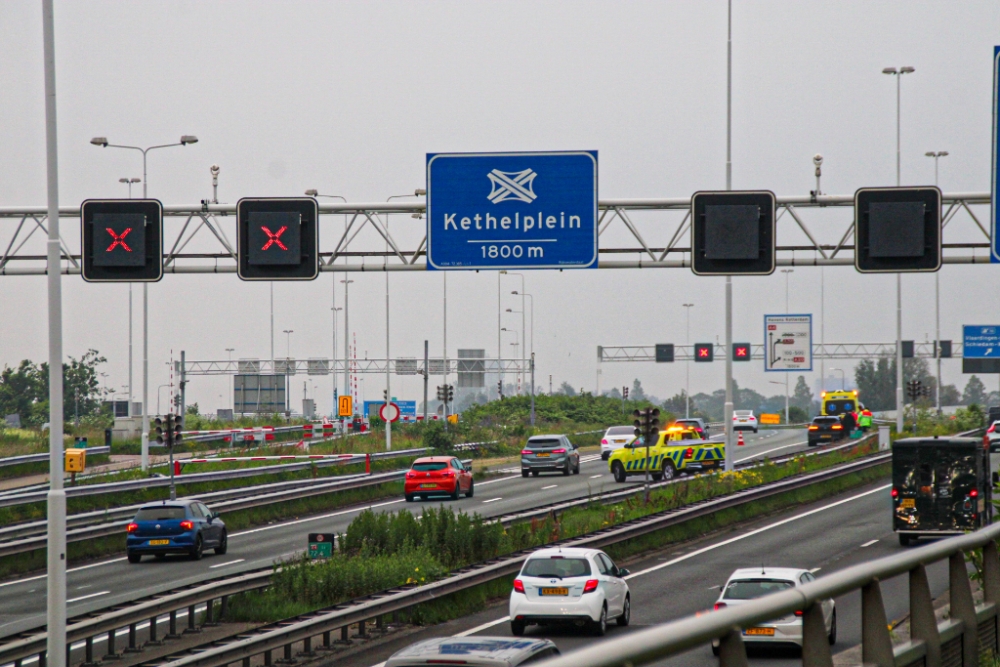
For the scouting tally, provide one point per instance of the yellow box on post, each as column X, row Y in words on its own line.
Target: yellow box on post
column 770, row 419
column 76, row 460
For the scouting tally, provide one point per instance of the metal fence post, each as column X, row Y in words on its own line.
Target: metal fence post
column 732, row 652
column 815, row 640
column 876, row 644
column 991, row 584
column 923, row 624
column 963, row 608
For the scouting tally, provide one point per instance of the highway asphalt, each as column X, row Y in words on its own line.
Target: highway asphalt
column 103, row 583
column 823, row 537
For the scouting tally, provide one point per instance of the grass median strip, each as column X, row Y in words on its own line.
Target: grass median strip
column 443, row 540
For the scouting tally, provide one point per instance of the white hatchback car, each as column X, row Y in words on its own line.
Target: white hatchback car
column 473, row 652
column 751, row 583
column 579, row 587
column 614, row 438
column 743, row 420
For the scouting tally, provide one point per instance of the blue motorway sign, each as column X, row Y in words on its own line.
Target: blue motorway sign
column 995, row 179
column 512, row 210
column 980, row 341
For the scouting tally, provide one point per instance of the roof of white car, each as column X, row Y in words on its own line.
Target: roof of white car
column 784, row 573
column 566, row 553
column 470, row 650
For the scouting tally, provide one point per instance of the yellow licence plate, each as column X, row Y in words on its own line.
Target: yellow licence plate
column 555, row 591
column 158, row 542
column 759, row 632
column 908, row 502
column 428, row 486
column 542, row 456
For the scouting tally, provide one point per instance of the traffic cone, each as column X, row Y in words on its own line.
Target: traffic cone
column 739, row 443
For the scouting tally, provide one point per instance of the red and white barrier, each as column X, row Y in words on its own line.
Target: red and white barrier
column 316, row 431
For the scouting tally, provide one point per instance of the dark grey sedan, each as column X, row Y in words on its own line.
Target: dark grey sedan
column 549, row 453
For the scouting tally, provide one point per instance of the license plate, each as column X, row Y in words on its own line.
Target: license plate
column 759, row 632
column 158, row 542
column 908, row 503
column 555, row 591
column 428, row 486
column 543, row 456
column 618, row 442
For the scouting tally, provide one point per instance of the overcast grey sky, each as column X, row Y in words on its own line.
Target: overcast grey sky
column 349, row 97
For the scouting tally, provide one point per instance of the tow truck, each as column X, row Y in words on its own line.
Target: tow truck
column 676, row 450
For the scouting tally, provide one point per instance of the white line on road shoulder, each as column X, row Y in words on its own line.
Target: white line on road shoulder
column 492, row 500
column 596, row 476
column 550, row 486
column 85, row 597
column 232, row 562
column 794, row 444
column 869, row 543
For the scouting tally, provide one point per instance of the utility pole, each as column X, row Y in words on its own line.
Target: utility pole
column 426, row 377
column 727, row 412
column 937, row 297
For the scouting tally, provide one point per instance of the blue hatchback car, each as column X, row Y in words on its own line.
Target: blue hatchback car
column 175, row 526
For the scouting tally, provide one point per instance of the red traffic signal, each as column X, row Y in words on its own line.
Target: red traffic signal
column 741, row 352
column 704, row 352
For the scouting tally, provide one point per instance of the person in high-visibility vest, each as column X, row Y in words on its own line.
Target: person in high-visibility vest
column 865, row 419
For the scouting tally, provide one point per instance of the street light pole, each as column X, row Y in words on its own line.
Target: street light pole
column 523, row 351
column 103, row 143
column 727, row 412
column 787, row 272
column 899, row 282
column 937, row 297
column 232, row 388
column 687, row 363
column 531, row 307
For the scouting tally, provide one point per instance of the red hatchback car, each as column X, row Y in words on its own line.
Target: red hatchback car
column 438, row 476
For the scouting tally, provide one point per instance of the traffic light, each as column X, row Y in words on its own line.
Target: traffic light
column 733, row 233
column 625, row 393
column 278, row 239
column 704, row 352
column 157, row 431
column 907, row 349
column 741, row 351
column 121, row 240
column 176, row 436
column 944, row 349
column 897, row 229
column 647, row 424
column 449, row 392
column 664, row 353
column 440, row 393
column 500, row 389
column 915, row 389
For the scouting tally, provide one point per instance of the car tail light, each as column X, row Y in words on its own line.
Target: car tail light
column 798, row 612
column 814, row 428
column 894, row 493
column 410, row 474
column 689, row 452
column 974, row 493
column 131, row 528
column 518, row 585
column 590, row 586
column 837, row 427
column 187, row 525
column 719, row 605
column 604, row 441
column 525, row 452
column 561, row 450
column 992, row 428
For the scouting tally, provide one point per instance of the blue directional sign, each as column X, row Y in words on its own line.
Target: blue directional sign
column 995, row 180
column 980, row 341
column 512, row 210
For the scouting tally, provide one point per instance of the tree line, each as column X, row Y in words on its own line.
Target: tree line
column 24, row 389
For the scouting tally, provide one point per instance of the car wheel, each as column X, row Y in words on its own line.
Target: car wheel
column 472, row 489
column 568, row 469
column 626, row 616
column 833, row 629
column 409, row 497
column 576, row 470
column 524, row 473
column 669, row 472
column 223, row 545
column 618, row 470
column 458, row 491
column 904, row 540
column 198, row 550
column 600, row 627
column 134, row 558
column 755, row 431
column 517, row 628
column 605, row 456
column 534, row 473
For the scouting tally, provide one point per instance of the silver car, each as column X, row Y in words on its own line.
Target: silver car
column 549, row 453
column 474, row 652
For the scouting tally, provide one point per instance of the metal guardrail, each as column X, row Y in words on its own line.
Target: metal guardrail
column 44, row 457
column 145, row 483
column 303, row 629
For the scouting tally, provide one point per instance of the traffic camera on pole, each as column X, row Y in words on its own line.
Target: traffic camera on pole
column 121, row 240
column 733, row 233
column 897, row 230
column 278, row 239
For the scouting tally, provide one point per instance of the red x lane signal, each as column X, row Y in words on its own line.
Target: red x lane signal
column 122, row 240
column 119, row 239
column 741, row 352
column 274, row 237
column 704, row 352
column 278, row 238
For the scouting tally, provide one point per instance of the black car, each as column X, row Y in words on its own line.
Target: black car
column 697, row 424
column 175, row 527
column 825, row 429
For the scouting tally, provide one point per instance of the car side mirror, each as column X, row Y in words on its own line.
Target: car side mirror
column 467, row 467
column 623, row 572
column 213, row 516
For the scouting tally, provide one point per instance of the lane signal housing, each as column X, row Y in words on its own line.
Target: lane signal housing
column 277, row 238
column 121, row 240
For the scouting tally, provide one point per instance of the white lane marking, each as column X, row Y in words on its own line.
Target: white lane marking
column 588, row 459
column 768, row 527
column 232, row 562
column 869, row 543
column 596, row 476
column 75, row 569
column 85, row 597
column 315, row 518
column 550, row 486
column 486, row 626
column 492, row 500
column 794, row 444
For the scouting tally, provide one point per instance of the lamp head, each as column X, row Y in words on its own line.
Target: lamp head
column 188, row 139
column 817, row 159
column 100, row 141
column 312, row 192
column 419, row 192
column 889, row 70
column 214, row 169
column 906, row 70
column 125, row 180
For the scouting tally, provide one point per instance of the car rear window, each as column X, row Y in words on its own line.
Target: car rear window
column 621, row 430
column 743, row 413
column 544, row 444
column 688, row 422
column 826, row 420
column 556, row 567
column 430, row 465
column 748, row 589
column 163, row 513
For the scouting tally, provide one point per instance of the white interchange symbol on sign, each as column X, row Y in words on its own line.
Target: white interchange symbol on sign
column 512, row 185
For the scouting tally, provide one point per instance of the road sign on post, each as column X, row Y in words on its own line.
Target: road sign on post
column 733, row 233
column 664, row 353
column 389, row 412
column 277, row 239
column 897, row 230
column 995, row 180
column 122, row 240
column 345, row 406
column 980, row 348
column 787, row 343
column 512, row 210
